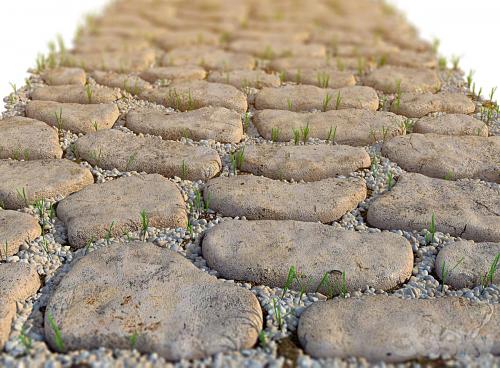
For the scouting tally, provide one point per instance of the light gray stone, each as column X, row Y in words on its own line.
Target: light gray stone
column 416, row 105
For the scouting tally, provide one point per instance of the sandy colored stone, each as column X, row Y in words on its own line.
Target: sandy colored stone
column 295, row 36
column 77, row 118
column 130, row 83
column 28, row 139
column 176, row 310
column 177, row 38
column 40, row 179
column 217, row 123
column 276, row 49
column 19, row 281
column 110, row 43
column 467, row 264
column 307, row 98
column 288, row 64
column 174, row 73
column 391, row 329
column 208, row 57
column 76, row 94
column 411, row 59
column 451, row 124
column 446, row 156
column 64, row 76
column 261, row 198
column 390, row 79
column 416, row 105
column 243, row 79
column 262, row 252
column 196, row 94
column 353, row 127
column 110, row 149
column 308, row 162
column 117, row 61
column 468, row 209
column 326, row 77
column 15, row 229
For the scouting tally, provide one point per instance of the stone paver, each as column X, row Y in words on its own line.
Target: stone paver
column 112, row 148
column 308, row 163
column 196, row 94
column 394, row 330
column 446, row 156
column 243, row 79
column 347, row 126
column 451, row 124
column 417, row 105
column 28, row 139
column 115, row 207
column 65, row 76
column 261, row 198
column 262, row 252
column 468, row 264
column 130, row 83
column 15, row 229
column 391, row 79
column 175, row 309
column 216, row 123
column 24, row 182
column 77, row 118
column 76, row 94
column 172, row 39
column 327, row 77
column 109, row 43
column 174, row 73
column 411, row 59
column 467, row 209
column 271, row 50
column 116, row 61
column 307, row 98
column 19, row 281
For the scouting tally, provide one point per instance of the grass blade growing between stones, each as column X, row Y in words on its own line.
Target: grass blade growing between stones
column 305, row 133
column 326, row 101
column 89, row 92
column 431, row 232
column 445, row 271
column 144, row 223
column 292, row 273
column 275, row 133
column 332, row 133
column 57, row 333
column 25, row 340
column 296, row 136
column 489, row 276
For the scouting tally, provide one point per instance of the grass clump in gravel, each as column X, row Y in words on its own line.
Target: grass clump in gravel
column 487, row 279
column 133, row 340
column 144, row 224
column 323, row 79
column 445, row 271
column 305, row 133
column 275, row 134
column 184, row 170
column 431, row 231
column 296, row 136
column 237, row 160
column 332, row 133
column 326, row 101
column 109, row 232
column 25, row 340
column 89, row 92
column 59, row 121
column 57, row 333
column 246, row 122
column 21, row 194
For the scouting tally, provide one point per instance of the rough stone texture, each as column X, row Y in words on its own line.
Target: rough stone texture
column 245, row 78
column 15, row 229
column 178, row 38
column 108, row 43
column 76, row 94
column 467, row 264
column 416, row 105
column 446, row 156
column 411, row 59
column 216, row 123
column 307, row 98
column 196, row 94
column 174, row 73
column 390, row 79
column 327, row 77
column 451, row 124
column 28, row 139
column 39, row 179
column 89, row 213
column 64, row 76
column 271, row 50
column 112, row 148
column 308, row 162
column 353, row 127
column 19, row 281
column 304, row 62
column 177, row 310
column 130, row 83
column 74, row 117
column 260, row 198
column 466, row 208
column 394, row 330
column 116, row 61
column 262, row 252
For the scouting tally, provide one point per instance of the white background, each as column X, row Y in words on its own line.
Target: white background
column 466, row 28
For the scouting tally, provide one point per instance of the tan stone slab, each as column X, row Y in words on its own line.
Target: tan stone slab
column 76, row 94
column 468, row 209
column 15, row 229
column 63, row 76
column 348, row 126
column 77, row 118
column 451, row 124
column 387, row 328
column 130, row 83
column 110, row 149
column 307, row 98
column 115, row 292
column 262, row 252
column 391, row 79
column 25, row 182
column 185, row 96
column 416, row 105
column 308, row 162
column 117, row 61
column 271, row 50
column 326, row 77
column 446, row 156
column 173, row 39
column 117, row 204
column 110, row 43
column 411, row 59
column 294, row 36
column 304, row 62
column 244, row 79
column 28, row 139
column 217, row 123
column 260, row 198
column 174, row 73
